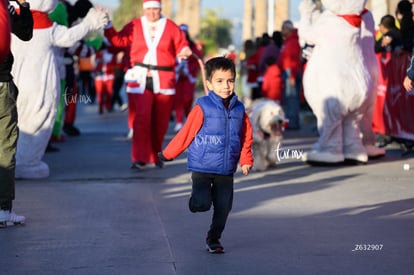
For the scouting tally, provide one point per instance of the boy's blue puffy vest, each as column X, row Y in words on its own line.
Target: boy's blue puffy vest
column 216, row 147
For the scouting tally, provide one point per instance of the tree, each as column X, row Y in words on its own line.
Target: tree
column 215, row 31
column 126, row 11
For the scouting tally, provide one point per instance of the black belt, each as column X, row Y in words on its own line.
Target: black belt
column 155, row 67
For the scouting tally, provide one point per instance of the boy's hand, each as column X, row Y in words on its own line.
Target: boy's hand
column 246, row 168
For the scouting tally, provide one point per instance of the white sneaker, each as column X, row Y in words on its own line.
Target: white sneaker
column 178, row 127
column 130, row 133
column 123, row 107
column 8, row 218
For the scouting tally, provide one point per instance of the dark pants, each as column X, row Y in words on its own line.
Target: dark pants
column 216, row 190
column 117, row 86
column 291, row 99
column 8, row 143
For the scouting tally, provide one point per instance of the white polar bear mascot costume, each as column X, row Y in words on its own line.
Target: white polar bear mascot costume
column 36, row 75
column 336, row 80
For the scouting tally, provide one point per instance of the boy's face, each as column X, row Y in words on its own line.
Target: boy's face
column 222, row 83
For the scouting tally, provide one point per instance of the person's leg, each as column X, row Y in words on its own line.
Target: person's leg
column 179, row 104
column 142, row 139
column 161, row 112
column 189, row 98
column 131, row 114
column 71, row 100
column 57, row 127
column 291, row 100
column 8, row 142
column 200, row 199
column 117, row 85
column 222, row 196
column 99, row 87
column 108, row 94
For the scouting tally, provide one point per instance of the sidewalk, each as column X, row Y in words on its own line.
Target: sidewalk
column 94, row 215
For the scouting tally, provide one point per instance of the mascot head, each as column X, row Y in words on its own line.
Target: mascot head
column 342, row 7
column 46, row 6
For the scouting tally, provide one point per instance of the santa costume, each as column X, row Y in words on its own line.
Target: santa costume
column 154, row 49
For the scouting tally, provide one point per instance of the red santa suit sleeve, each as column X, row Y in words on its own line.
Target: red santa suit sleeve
column 4, row 31
column 190, row 129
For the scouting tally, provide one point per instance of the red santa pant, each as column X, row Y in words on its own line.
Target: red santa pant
column 152, row 116
column 183, row 98
column 131, row 110
column 104, row 93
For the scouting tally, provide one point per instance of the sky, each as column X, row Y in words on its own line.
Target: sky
column 230, row 9
column 227, row 8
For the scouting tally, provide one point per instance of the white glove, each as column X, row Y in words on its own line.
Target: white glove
column 306, row 8
column 96, row 19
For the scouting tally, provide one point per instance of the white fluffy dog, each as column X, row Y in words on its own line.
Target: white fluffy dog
column 268, row 120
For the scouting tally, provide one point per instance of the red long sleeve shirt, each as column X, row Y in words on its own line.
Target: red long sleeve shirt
column 4, row 31
column 190, row 129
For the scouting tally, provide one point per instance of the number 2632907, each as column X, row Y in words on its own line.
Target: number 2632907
column 368, row 247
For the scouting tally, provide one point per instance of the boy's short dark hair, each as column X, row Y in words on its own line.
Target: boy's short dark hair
column 388, row 21
column 219, row 63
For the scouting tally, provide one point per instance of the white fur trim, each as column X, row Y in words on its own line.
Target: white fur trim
column 151, row 4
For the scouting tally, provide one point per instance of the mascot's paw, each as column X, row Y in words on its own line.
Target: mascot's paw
column 38, row 171
column 96, row 19
column 306, row 7
column 374, row 152
column 322, row 158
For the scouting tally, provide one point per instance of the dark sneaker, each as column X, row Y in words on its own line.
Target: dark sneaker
column 71, row 130
column 139, row 165
column 159, row 164
column 214, row 246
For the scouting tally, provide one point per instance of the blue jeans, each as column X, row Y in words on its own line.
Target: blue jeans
column 216, row 190
column 291, row 99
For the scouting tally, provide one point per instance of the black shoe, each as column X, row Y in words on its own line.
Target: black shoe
column 71, row 130
column 214, row 246
column 159, row 164
column 51, row 149
column 139, row 165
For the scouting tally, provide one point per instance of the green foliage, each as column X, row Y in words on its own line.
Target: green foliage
column 215, row 31
column 126, row 11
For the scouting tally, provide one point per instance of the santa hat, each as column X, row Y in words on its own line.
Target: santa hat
column 146, row 4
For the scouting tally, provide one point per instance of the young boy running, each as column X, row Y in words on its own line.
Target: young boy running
column 218, row 135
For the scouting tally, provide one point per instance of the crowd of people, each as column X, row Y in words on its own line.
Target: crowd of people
column 272, row 66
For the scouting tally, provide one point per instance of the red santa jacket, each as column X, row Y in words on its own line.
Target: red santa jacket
column 272, row 83
column 290, row 55
column 161, row 51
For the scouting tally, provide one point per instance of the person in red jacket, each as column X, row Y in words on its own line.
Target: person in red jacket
column 290, row 63
column 105, row 62
column 272, row 80
column 155, row 44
